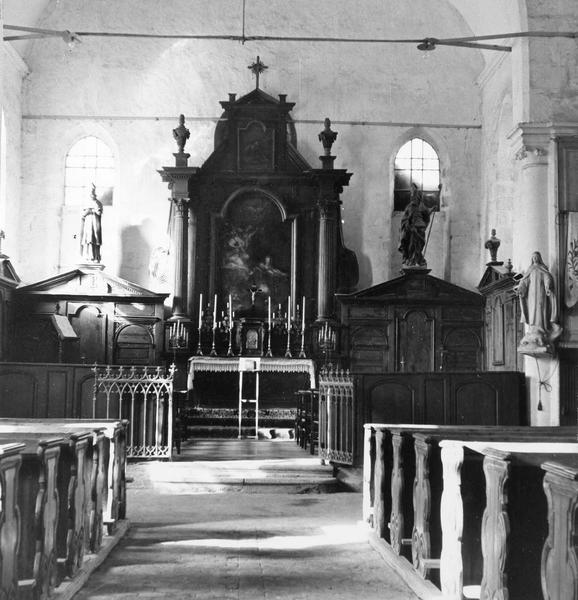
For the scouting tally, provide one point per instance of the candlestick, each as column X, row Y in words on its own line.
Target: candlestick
column 303, row 313
column 215, row 312
column 269, row 351
column 288, row 348
column 230, row 310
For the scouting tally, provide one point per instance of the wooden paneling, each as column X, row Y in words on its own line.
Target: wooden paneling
column 37, row 390
column 412, row 324
column 503, row 327
column 444, row 398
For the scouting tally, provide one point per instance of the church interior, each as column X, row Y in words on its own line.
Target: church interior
column 334, row 246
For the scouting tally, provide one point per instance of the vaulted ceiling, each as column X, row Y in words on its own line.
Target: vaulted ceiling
column 482, row 18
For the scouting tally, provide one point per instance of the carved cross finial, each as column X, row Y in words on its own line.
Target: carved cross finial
column 257, row 68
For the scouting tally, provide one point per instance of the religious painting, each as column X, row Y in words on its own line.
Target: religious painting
column 255, row 248
column 256, row 147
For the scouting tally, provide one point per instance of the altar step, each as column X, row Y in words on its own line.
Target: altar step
column 276, row 424
column 208, row 466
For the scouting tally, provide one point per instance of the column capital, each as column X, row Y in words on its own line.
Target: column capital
column 531, row 141
column 181, row 202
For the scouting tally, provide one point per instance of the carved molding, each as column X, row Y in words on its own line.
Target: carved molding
column 528, row 152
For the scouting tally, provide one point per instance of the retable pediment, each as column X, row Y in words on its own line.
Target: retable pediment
column 255, row 135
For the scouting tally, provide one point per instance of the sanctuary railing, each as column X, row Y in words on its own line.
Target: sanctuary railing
column 144, row 396
column 336, row 415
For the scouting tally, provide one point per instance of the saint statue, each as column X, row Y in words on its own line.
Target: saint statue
column 414, row 222
column 90, row 229
column 181, row 134
column 539, row 307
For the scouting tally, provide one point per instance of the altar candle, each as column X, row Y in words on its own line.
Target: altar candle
column 230, row 310
column 288, row 313
column 200, row 311
column 269, row 312
column 215, row 313
column 303, row 314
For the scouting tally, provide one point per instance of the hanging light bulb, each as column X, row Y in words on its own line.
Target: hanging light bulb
column 70, row 38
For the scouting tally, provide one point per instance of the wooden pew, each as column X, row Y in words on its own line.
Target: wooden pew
column 38, row 503
column 494, row 517
column 112, row 464
column 403, row 482
column 10, row 518
column 559, row 562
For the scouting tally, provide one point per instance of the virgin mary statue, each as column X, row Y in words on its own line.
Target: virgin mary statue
column 539, row 308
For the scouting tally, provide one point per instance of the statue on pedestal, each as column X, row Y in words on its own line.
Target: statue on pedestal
column 181, row 134
column 91, row 230
column 414, row 222
column 539, row 307
column 327, row 137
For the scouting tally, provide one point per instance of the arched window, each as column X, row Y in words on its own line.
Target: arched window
column 416, row 162
column 89, row 161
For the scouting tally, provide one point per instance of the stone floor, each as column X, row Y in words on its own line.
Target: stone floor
column 223, row 522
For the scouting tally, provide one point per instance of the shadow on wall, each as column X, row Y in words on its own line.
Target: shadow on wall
column 134, row 252
column 364, row 268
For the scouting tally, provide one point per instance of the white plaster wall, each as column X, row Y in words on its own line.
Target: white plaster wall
column 131, row 91
column 12, row 70
column 553, row 78
column 499, row 172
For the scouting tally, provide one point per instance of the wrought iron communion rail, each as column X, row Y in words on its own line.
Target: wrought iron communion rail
column 336, row 415
column 144, row 396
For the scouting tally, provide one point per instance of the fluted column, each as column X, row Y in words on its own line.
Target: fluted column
column 192, row 259
column 180, row 239
column 181, row 180
column 327, row 267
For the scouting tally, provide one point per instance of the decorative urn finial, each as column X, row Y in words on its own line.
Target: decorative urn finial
column 492, row 245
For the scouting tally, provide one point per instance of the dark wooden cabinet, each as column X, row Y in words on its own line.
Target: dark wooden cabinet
column 415, row 323
column 503, row 325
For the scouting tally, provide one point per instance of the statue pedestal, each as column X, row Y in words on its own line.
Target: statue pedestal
column 415, row 270
column 90, row 265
